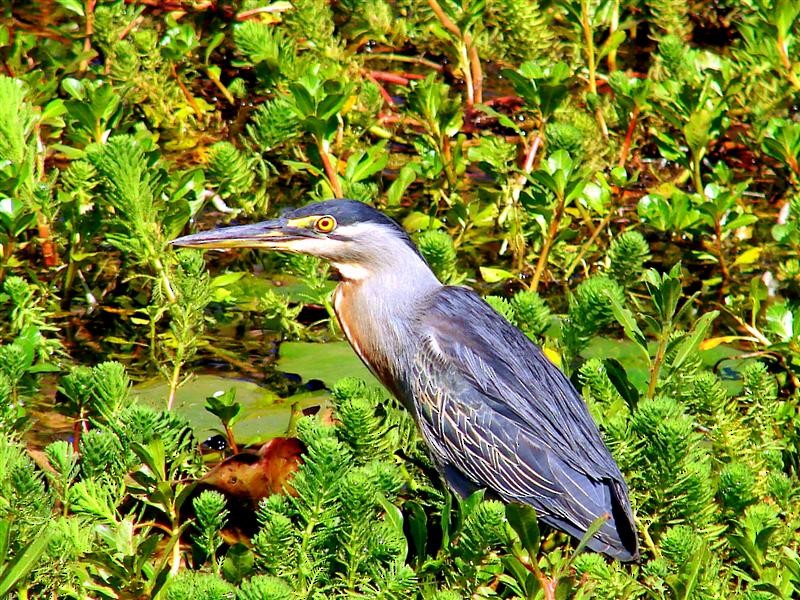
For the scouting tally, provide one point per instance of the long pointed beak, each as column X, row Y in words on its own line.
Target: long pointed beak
column 268, row 234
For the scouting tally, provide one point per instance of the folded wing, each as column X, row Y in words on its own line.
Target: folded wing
column 502, row 416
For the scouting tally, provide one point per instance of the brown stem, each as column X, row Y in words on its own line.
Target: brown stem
column 626, row 145
column 330, row 172
column 400, row 58
column 129, row 27
column 548, row 584
column 87, row 41
column 186, row 93
column 795, row 167
column 444, row 19
column 548, row 243
column 475, row 67
column 587, row 244
column 473, row 75
column 153, row 524
column 76, row 435
column 231, row 439
column 49, row 256
column 588, row 38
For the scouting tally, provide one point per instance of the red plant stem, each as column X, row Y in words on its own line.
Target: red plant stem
column 387, row 97
column 231, row 439
column 79, row 427
column 49, row 255
column 333, row 178
column 548, row 584
column 389, row 77
column 474, row 76
column 415, row 76
column 626, row 146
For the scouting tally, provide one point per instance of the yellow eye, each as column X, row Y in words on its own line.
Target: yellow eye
column 325, row 224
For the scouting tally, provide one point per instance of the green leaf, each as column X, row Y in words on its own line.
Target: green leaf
column 72, row 6
column 625, row 318
column 5, row 537
column 697, row 130
column 749, row 256
column 784, row 16
column 493, row 275
column 612, row 43
column 364, row 164
column 406, row 176
column 691, row 342
column 669, row 148
column 523, row 521
column 224, row 406
column 24, row 562
column 619, row 379
column 238, row 563
column 418, row 528
column 303, row 100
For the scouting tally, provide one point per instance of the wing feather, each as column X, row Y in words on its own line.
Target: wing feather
column 504, row 417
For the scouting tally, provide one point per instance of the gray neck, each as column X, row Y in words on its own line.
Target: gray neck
column 379, row 309
column 391, row 280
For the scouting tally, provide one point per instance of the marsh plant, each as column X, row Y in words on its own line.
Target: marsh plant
column 620, row 180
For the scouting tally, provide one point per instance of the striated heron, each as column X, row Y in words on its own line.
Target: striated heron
column 494, row 412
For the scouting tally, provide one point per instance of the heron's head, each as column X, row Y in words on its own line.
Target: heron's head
column 355, row 237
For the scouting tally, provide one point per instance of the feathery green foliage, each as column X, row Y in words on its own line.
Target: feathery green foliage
column 575, row 152
column 437, row 248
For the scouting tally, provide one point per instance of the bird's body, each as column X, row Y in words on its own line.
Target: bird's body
column 494, row 412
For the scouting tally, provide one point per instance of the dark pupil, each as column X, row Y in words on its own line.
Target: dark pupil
column 325, row 223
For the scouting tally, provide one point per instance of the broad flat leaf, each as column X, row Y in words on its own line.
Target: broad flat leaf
column 749, row 256
column 406, row 176
column 24, row 562
column 493, row 275
column 697, row 130
column 523, row 521
column 238, row 563
column 691, row 342
column 619, row 379
column 625, row 318
column 263, row 415
column 418, row 528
